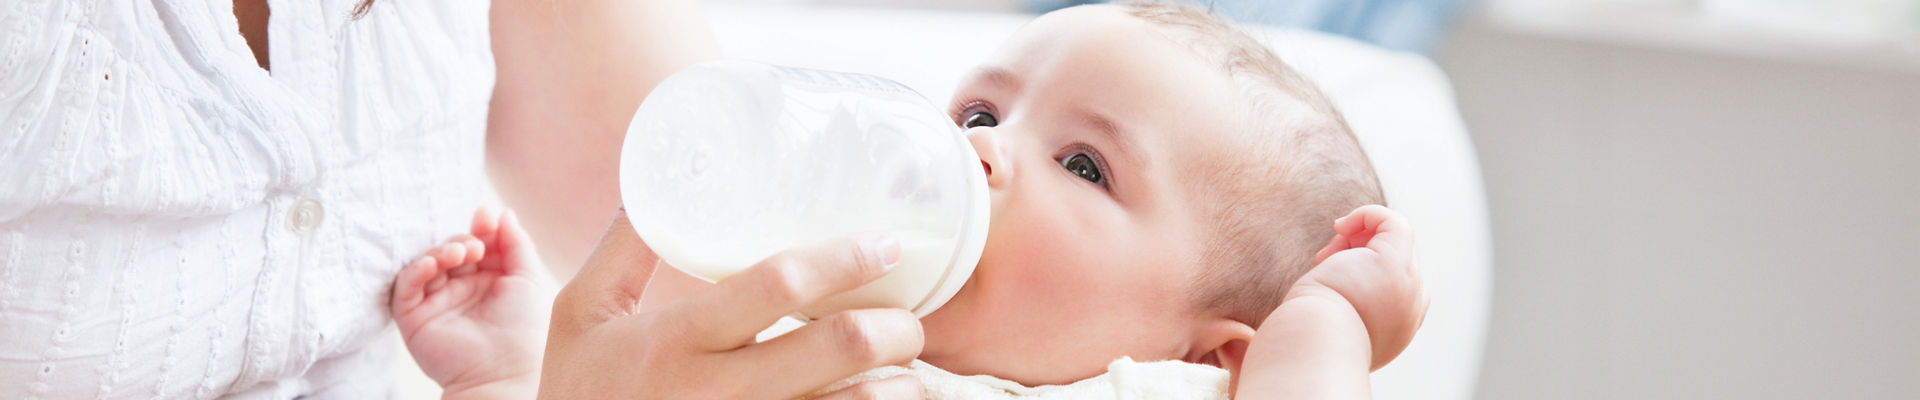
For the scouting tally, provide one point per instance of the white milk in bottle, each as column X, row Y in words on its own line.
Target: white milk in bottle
column 729, row 162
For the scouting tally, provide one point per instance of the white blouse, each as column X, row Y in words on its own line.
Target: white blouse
column 176, row 222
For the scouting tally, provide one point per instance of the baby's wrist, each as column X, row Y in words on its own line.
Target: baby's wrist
column 1326, row 305
column 1307, row 287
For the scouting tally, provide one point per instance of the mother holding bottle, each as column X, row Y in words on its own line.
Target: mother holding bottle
column 206, row 199
column 626, row 325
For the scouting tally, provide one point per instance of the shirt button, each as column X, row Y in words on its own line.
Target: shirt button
column 305, row 215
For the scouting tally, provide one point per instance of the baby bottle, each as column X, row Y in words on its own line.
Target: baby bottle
column 728, row 162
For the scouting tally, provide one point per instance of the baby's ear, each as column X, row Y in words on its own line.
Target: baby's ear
column 1221, row 342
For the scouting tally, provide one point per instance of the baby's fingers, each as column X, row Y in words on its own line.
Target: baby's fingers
column 1353, row 231
column 515, row 243
column 409, row 288
column 461, row 255
column 1378, row 228
column 1338, row 244
column 486, row 223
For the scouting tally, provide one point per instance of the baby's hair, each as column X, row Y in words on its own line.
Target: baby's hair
column 1273, row 206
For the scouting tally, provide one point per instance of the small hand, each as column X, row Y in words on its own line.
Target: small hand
column 1370, row 263
column 474, row 310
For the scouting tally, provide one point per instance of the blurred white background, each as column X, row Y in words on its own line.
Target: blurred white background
column 1689, row 198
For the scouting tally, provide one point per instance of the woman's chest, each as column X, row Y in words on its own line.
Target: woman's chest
column 169, row 206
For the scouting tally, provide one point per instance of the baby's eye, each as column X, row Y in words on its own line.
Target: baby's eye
column 1084, row 166
column 978, row 119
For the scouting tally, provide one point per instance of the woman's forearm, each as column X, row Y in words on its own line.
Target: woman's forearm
column 570, row 74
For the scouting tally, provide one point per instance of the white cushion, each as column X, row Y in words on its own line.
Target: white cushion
column 1399, row 104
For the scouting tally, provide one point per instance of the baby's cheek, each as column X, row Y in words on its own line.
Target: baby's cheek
column 1039, row 258
column 1047, row 268
column 1019, row 264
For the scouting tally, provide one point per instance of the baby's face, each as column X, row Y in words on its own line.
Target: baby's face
column 1095, row 128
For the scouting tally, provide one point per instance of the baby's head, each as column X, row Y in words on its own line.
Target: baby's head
column 1158, row 180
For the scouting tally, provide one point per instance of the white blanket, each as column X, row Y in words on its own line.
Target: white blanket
column 1125, row 379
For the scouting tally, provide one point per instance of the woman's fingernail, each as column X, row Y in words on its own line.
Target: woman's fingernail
column 886, row 249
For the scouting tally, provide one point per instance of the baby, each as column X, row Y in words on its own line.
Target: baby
column 1160, row 183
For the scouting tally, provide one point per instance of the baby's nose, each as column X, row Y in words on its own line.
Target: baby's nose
column 991, row 161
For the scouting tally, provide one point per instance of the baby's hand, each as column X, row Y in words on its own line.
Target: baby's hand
column 474, row 310
column 1370, row 264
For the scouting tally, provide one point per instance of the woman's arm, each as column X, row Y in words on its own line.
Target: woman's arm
column 570, row 74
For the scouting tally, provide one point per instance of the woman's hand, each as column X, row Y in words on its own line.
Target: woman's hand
column 702, row 346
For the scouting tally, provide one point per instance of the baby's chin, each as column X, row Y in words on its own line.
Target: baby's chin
column 951, row 349
column 953, row 343
column 1025, row 370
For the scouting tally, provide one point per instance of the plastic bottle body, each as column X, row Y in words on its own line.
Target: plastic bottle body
column 729, row 162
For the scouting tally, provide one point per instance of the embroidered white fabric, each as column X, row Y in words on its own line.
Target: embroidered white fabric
column 176, row 222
